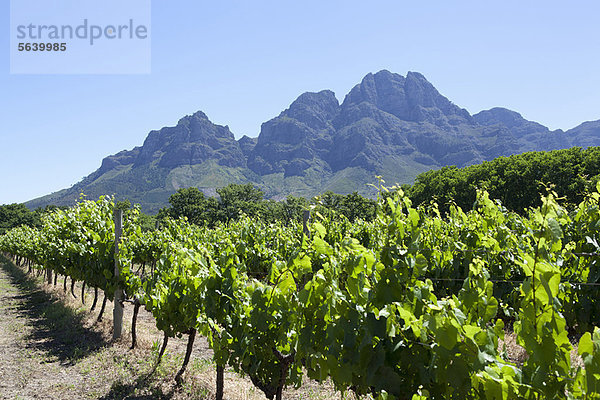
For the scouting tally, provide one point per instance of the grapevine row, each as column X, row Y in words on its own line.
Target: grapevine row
column 411, row 305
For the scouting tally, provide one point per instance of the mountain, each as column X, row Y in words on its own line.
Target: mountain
column 195, row 152
column 585, row 135
column 390, row 125
column 524, row 135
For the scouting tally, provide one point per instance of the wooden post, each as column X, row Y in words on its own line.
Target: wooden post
column 220, row 373
column 119, row 295
column 305, row 219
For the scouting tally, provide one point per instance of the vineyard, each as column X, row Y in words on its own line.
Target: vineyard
column 410, row 305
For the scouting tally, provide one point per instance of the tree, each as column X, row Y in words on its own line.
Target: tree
column 354, row 206
column 517, row 181
column 13, row 215
column 293, row 209
column 123, row 205
column 192, row 204
column 237, row 198
column 147, row 222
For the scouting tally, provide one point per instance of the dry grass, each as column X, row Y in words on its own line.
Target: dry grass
column 514, row 353
column 510, row 350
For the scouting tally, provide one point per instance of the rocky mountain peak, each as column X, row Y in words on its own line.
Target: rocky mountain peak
column 247, row 144
column 383, row 89
column 297, row 138
column 193, row 140
column 198, row 115
column 412, row 98
column 314, row 108
column 499, row 115
column 512, row 120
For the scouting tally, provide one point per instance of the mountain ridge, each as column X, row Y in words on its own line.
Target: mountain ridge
column 388, row 124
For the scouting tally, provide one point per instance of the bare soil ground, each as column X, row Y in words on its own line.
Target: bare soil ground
column 52, row 347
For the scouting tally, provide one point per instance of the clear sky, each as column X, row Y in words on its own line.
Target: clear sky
column 243, row 62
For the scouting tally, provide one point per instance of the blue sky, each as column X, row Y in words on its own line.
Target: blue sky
column 243, row 62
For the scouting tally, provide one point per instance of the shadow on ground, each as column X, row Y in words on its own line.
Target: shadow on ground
column 57, row 330
column 121, row 390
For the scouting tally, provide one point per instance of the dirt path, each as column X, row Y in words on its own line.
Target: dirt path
column 23, row 365
column 41, row 340
column 52, row 347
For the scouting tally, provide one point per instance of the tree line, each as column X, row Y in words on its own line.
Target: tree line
column 232, row 202
column 517, row 181
column 245, row 199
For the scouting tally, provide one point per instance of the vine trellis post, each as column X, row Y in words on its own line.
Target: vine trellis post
column 305, row 220
column 119, row 295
